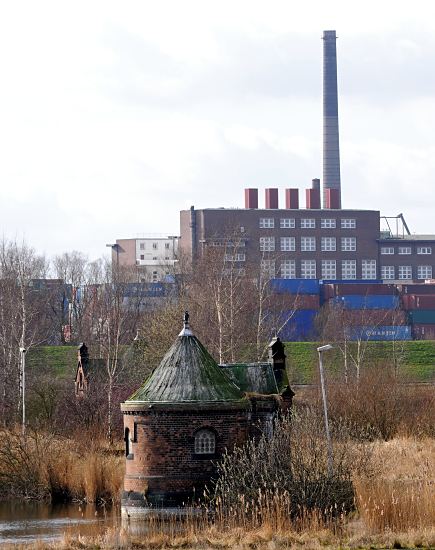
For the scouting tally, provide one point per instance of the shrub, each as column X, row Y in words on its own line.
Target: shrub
column 286, row 475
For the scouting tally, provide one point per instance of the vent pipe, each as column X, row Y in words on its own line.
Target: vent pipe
column 331, row 147
column 251, row 198
column 292, row 198
column 272, row 198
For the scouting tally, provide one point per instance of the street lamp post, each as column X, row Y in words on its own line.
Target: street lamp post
column 23, row 387
column 320, row 351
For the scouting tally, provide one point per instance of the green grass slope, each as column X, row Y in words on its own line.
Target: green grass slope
column 414, row 360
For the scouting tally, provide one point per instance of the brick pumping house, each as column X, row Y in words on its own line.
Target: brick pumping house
column 187, row 413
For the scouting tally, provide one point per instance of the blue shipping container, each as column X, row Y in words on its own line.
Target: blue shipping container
column 300, row 325
column 295, row 286
column 353, row 301
column 383, row 333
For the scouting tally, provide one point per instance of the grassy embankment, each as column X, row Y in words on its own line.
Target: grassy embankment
column 415, row 359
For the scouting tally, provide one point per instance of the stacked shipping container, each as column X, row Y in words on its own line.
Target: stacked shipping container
column 301, row 307
column 419, row 303
column 371, row 309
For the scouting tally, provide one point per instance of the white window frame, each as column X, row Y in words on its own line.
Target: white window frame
column 287, row 244
column 328, row 223
column 329, row 244
column 424, row 272
column 268, row 268
column 388, row 272
column 387, row 250
column 288, row 269
column 308, row 223
column 348, row 244
column 368, row 269
column 267, row 223
column 205, row 442
column 267, row 244
column 401, row 271
column 329, row 269
column 308, row 269
column 308, row 244
column 424, row 250
column 287, row 223
column 348, row 223
column 348, row 269
column 404, row 250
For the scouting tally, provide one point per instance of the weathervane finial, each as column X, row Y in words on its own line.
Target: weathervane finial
column 186, row 328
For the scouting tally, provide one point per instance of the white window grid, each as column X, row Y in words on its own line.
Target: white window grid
column 142, row 246
column 424, row 250
column 308, row 244
column 348, row 244
column 368, row 269
column 308, row 223
column 267, row 223
column 329, row 244
column 235, row 257
column 288, row 244
column 387, row 249
column 424, row 272
column 166, row 245
column 405, row 250
column 328, row 223
column 268, row 268
column 288, row 269
column 287, row 223
column 405, row 272
column 308, row 269
column 348, row 269
column 388, row 272
column 329, row 269
column 267, row 244
column 155, row 246
column 348, row 223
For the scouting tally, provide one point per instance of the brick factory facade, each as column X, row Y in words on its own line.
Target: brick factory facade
column 310, row 243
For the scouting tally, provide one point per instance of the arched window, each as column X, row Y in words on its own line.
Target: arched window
column 205, row 442
column 127, row 441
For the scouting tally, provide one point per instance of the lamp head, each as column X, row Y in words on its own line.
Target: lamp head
column 324, row 348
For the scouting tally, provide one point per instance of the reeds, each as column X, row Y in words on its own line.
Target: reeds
column 396, row 506
column 57, row 469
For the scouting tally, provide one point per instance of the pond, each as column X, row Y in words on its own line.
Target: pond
column 26, row 522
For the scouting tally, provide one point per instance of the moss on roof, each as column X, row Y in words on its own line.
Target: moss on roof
column 187, row 374
column 252, row 377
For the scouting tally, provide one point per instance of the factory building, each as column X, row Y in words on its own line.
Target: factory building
column 151, row 258
column 322, row 240
column 309, row 243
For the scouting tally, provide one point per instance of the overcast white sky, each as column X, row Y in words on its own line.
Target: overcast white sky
column 114, row 116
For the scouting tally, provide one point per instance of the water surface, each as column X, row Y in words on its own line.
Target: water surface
column 27, row 522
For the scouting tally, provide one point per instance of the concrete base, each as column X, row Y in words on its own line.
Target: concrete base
column 148, row 513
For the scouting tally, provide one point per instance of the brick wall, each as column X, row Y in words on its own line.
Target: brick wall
column 162, row 466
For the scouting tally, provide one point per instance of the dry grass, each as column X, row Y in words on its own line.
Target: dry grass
column 402, row 496
column 42, row 466
column 262, row 538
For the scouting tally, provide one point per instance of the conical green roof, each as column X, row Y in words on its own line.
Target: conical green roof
column 187, row 374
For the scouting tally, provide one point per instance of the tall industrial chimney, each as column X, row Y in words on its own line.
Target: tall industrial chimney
column 331, row 146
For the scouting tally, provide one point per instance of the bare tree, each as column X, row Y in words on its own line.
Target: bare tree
column 20, row 316
column 118, row 305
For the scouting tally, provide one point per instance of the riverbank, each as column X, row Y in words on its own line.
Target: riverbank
column 395, row 508
column 56, row 469
column 264, row 538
